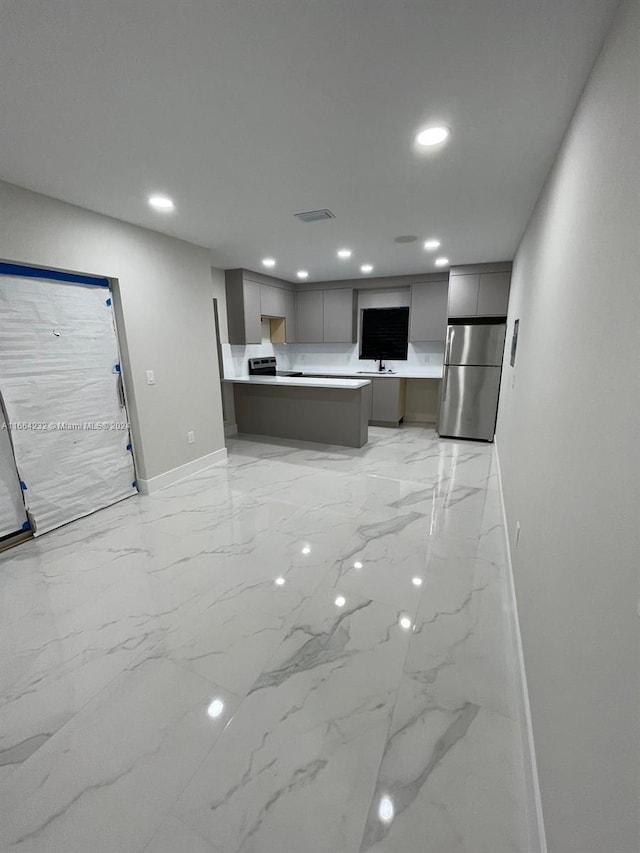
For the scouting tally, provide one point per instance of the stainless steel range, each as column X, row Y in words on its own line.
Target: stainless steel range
column 267, row 366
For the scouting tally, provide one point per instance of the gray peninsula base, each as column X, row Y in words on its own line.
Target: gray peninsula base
column 325, row 415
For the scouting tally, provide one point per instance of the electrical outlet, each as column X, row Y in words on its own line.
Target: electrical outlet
column 191, row 437
column 151, row 377
column 517, row 533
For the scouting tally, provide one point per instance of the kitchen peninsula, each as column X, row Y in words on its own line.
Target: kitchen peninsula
column 328, row 411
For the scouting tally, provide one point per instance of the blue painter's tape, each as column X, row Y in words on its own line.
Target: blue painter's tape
column 53, row 275
column 116, row 368
column 129, row 447
column 23, row 485
column 26, row 525
column 108, row 302
column 134, row 485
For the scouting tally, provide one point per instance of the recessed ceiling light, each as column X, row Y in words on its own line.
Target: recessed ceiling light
column 306, row 550
column 432, row 136
column 280, row 581
column 268, row 262
column 386, row 809
column 340, row 601
column 441, row 262
column 416, row 581
column 405, row 623
column 366, row 268
column 344, row 253
column 302, row 274
column 432, row 245
column 215, row 708
column 161, row 202
column 357, row 565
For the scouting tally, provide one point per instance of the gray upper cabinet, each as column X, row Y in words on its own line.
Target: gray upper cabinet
column 309, row 317
column 493, row 296
column 248, row 301
column 463, row 295
column 243, row 309
column 279, row 302
column 428, row 313
column 479, row 294
column 326, row 316
column 339, row 316
column 271, row 301
column 252, row 324
column 290, row 316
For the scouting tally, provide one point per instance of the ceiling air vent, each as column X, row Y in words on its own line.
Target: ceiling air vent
column 314, row 215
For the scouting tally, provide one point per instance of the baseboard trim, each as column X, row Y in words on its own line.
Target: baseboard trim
column 535, row 816
column 154, row 484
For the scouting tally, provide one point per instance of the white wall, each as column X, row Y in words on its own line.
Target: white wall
column 165, row 313
column 568, row 445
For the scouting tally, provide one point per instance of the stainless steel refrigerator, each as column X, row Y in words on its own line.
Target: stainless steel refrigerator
column 471, row 381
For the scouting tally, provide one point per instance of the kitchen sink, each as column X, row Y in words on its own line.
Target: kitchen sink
column 377, row 372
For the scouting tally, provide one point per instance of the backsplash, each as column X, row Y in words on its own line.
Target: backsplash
column 319, row 357
column 235, row 357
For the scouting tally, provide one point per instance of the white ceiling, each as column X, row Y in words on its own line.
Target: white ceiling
column 247, row 111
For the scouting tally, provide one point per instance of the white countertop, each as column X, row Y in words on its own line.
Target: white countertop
column 427, row 372
column 301, row 381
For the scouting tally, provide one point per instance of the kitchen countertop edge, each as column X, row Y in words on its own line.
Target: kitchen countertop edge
column 300, row 382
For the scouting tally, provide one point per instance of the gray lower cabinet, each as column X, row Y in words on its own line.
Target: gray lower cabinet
column 387, row 401
column 463, row 295
column 493, row 295
column 428, row 312
column 309, row 317
column 339, row 316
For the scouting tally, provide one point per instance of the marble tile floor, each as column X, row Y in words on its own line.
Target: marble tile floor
column 305, row 649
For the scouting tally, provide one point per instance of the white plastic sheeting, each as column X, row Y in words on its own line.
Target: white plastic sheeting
column 58, row 379
column 12, row 511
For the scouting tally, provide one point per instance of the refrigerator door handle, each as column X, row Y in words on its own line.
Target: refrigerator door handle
column 445, row 383
column 447, row 349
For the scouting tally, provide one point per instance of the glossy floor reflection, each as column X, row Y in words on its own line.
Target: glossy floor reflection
column 306, row 649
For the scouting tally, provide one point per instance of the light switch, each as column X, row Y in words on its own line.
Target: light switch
column 151, row 377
